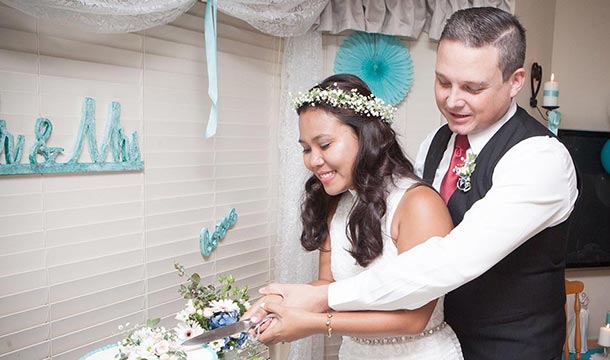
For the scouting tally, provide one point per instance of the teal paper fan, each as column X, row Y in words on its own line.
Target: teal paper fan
column 382, row 61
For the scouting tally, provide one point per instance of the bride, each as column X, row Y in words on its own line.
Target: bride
column 362, row 206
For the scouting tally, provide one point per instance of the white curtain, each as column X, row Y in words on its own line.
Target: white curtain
column 406, row 18
column 105, row 16
column 301, row 69
column 275, row 17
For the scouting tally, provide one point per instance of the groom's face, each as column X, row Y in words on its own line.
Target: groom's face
column 469, row 89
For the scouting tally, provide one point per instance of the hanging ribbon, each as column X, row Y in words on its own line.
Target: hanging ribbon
column 210, row 26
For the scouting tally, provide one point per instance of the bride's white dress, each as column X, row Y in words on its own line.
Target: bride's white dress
column 439, row 341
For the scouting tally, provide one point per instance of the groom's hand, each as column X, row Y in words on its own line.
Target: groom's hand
column 257, row 311
column 303, row 296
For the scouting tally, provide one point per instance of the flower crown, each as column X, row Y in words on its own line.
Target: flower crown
column 335, row 97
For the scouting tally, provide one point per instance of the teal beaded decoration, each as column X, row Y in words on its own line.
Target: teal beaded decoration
column 42, row 158
column 208, row 243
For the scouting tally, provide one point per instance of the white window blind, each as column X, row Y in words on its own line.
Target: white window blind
column 81, row 254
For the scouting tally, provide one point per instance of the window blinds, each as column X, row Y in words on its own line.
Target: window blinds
column 81, row 254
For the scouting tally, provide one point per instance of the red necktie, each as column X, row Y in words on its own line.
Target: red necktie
column 449, row 183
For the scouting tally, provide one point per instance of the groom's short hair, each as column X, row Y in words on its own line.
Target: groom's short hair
column 483, row 26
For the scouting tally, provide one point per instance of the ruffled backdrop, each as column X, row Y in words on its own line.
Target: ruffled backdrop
column 301, row 22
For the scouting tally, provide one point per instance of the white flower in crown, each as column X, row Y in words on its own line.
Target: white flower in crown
column 335, row 97
column 464, row 171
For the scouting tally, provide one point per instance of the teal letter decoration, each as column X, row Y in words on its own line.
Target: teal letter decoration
column 208, row 243
column 125, row 150
column 12, row 152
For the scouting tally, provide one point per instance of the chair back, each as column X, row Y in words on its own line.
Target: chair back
column 574, row 288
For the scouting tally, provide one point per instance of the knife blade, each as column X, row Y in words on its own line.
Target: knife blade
column 219, row 333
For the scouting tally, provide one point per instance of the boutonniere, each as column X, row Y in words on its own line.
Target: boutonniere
column 465, row 171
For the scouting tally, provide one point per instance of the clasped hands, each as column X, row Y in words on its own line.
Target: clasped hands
column 296, row 307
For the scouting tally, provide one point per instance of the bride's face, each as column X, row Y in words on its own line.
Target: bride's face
column 329, row 149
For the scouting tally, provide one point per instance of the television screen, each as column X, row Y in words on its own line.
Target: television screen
column 589, row 234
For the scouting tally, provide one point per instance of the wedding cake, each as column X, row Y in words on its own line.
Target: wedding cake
column 207, row 308
column 110, row 352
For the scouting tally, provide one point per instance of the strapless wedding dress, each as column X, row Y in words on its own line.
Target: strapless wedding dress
column 438, row 341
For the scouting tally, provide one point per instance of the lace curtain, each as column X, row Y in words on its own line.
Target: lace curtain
column 275, row 17
column 406, row 18
column 301, row 68
column 105, row 16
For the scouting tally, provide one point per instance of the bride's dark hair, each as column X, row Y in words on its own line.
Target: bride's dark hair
column 379, row 158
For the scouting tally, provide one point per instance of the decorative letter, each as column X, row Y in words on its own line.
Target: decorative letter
column 12, row 153
column 208, row 244
column 125, row 151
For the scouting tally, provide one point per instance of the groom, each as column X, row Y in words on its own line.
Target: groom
column 502, row 267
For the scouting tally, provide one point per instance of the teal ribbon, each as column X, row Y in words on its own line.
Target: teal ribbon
column 210, row 29
column 554, row 120
column 550, row 93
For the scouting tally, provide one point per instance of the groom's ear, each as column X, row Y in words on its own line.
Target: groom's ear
column 516, row 80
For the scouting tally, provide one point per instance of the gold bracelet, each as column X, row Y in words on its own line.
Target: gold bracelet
column 329, row 329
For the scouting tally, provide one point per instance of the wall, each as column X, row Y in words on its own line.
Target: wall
column 581, row 53
column 581, row 49
column 81, row 254
column 538, row 18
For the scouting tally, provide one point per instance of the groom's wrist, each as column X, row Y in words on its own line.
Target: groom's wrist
column 322, row 298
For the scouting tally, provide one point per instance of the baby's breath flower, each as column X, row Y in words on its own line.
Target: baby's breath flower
column 335, row 97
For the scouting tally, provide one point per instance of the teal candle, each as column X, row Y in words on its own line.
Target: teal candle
column 608, row 318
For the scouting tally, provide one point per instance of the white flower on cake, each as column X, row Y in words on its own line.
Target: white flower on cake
column 207, row 312
column 189, row 309
column 187, row 331
column 217, row 345
column 223, row 305
column 151, row 343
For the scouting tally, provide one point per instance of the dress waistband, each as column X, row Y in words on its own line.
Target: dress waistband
column 399, row 339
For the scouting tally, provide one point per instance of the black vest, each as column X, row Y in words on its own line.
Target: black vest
column 515, row 310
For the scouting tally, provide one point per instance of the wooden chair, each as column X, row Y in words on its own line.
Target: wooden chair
column 575, row 288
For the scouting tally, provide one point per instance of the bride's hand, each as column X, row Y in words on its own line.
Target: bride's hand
column 289, row 324
column 256, row 312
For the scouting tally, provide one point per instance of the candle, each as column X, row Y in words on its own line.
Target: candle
column 608, row 318
column 604, row 336
column 551, row 92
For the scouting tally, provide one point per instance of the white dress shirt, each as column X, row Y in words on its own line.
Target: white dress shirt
column 534, row 187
